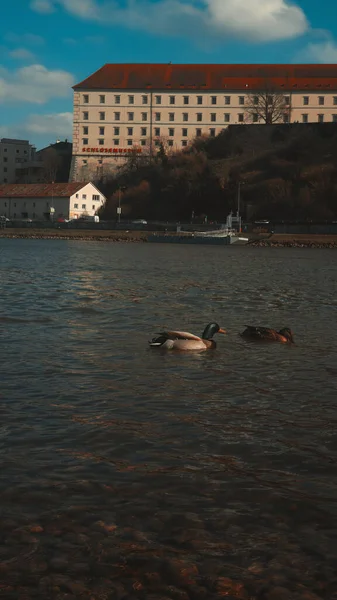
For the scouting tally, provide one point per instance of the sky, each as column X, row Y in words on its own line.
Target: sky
column 57, row 43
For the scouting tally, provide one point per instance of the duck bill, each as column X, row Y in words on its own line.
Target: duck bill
column 222, row 331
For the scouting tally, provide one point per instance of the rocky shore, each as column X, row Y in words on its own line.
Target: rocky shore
column 79, row 235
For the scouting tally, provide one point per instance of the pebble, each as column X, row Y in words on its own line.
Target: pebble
column 59, row 564
column 278, row 593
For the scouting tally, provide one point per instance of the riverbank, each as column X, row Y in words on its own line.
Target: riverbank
column 99, row 235
column 90, row 235
column 278, row 240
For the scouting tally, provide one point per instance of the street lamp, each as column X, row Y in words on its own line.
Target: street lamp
column 121, row 188
column 240, row 183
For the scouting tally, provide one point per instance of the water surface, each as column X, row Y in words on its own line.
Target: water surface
column 126, row 472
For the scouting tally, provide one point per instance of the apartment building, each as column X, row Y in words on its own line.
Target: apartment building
column 14, row 156
column 130, row 109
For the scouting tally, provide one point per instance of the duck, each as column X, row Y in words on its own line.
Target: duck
column 285, row 335
column 182, row 340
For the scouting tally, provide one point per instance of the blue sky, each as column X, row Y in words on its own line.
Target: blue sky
column 56, row 43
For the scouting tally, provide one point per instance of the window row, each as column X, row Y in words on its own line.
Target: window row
column 199, row 117
column 131, row 142
column 158, row 99
column 84, row 206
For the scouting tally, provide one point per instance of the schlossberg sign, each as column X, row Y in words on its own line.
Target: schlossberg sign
column 112, row 150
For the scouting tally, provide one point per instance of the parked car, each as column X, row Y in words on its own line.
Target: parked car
column 139, row 222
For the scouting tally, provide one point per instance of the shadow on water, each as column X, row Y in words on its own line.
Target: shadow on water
column 128, row 472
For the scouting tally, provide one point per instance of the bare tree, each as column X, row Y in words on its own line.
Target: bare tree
column 267, row 105
column 51, row 163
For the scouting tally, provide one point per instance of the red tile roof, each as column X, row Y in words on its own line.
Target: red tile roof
column 39, row 190
column 210, row 77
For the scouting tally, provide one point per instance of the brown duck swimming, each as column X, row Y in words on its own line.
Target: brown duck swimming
column 182, row 340
column 284, row 336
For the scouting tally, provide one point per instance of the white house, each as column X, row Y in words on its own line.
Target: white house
column 43, row 201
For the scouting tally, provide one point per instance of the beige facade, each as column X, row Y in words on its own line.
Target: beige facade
column 46, row 202
column 112, row 124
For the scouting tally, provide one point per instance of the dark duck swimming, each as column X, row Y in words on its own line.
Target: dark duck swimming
column 182, row 340
column 285, row 335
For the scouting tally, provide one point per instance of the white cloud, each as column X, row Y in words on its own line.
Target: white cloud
column 25, row 38
column 21, row 54
column 319, row 52
column 54, row 125
column 34, row 84
column 256, row 20
column 58, row 124
column 42, row 6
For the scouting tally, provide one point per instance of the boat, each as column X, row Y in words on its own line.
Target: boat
column 219, row 237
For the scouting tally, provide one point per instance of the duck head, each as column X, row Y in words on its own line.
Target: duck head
column 210, row 330
column 287, row 333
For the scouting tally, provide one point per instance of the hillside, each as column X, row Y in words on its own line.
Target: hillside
column 287, row 172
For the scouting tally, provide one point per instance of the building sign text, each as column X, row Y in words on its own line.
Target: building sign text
column 112, row 150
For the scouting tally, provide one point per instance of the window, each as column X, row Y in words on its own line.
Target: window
column 117, row 116
column 143, row 131
column 212, row 132
column 213, row 99
column 5, row 159
column 84, row 161
column 172, row 99
column 95, row 197
column 130, row 142
column 227, row 99
column 241, row 100
column 101, row 130
column 198, row 132
column 199, row 99
column 75, row 205
column 93, row 207
column 158, row 99
column 171, row 116
column 116, row 142
column 157, row 131
column 305, row 100
column 101, row 142
column 255, row 118
column 130, row 130
column 287, row 100
column 131, row 99
column 85, row 130
column 171, row 132
column 305, row 118
column 170, row 142
column 321, row 100
column 85, row 141
column 157, row 143
column 184, row 143
column 334, row 118
column 199, row 117
column 85, row 99
column 85, row 116
column 116, row 130
column 144, row 99
column 226, row 117
column 186, row 99
column 5, row 149
column 335, row 100
column 102, row 116
column 117, row 99
column 34, row 204
column 84, row 206
column 213, row 117
column 102, row 99
column 185, row 116
column 184, row 132
column 285, row 118
column 240, row 117
column 157, row 116
column 320, row 118
column 144, row 116
column 5, row 169
column 84, row 196
column 76, row 195
column 142, row 142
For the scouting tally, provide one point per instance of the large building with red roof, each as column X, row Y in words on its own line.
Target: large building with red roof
column 48, row 201
column 128, row 109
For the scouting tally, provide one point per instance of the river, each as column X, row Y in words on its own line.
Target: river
column 126, row 472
